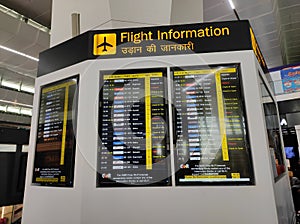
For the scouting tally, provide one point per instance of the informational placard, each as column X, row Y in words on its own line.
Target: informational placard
column 210, row 127
column 133, row 129
column 290, row 79
column 180, row 39
column 55, row 143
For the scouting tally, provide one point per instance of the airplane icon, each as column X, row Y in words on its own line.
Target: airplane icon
column 104, row 44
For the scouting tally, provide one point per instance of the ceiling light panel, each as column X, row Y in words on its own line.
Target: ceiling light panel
column 231, row 4
column 10, row 84
column 18, row 52
column 28, row 89
column 3, row 108
column 12, row 109
column 26, row 111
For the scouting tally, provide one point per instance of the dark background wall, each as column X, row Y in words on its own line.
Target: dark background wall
column 13, row 166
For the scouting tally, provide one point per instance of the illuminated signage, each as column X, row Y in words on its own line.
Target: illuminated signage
column 105, row 44
column 172, row 34
column 211, row 142
column 152, row 41
column 55, row 143
column 257, row 52
column 290, row 79
column 133, row 129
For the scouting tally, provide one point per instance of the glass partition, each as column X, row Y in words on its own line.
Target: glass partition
column 273, row 131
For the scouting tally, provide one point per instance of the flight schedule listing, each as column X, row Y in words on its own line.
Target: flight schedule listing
column 55, row 144
column 133, row 129
column 211, row 142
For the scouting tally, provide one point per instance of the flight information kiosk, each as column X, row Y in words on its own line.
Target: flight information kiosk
column 165, row 124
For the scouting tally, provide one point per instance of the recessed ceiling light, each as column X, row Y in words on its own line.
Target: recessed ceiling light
column 11, row 85
column 29, row 89
column 19, row 53
column 231, row 4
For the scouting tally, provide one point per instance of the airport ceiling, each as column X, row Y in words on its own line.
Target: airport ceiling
column 276, row 24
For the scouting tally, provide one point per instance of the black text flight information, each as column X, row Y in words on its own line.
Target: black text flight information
column 210, row 128
column 55, row 144
column 133, row 129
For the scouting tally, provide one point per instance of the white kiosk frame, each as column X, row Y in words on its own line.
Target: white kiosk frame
column 266, row 201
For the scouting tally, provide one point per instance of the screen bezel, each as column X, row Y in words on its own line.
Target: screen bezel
column 168, row 180
column 246, row 136
column 74, row 118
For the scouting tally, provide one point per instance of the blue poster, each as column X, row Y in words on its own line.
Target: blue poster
column 290, row 79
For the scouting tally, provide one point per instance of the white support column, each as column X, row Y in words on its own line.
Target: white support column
column 128, row 13
column 92, row 13
column 188, row 11
column 103, row 14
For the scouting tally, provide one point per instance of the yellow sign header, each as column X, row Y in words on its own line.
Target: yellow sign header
column 204, row 72
column 173, row 34
column 59, row 86
column 133, row 76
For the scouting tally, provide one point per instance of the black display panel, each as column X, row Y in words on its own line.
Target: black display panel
column 55, row 144
column 133, row 129
column 211, row 143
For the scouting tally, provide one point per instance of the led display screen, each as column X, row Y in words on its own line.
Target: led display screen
column 133, row 129
column 211, row 143
column 55, row 143
column 289, row 152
